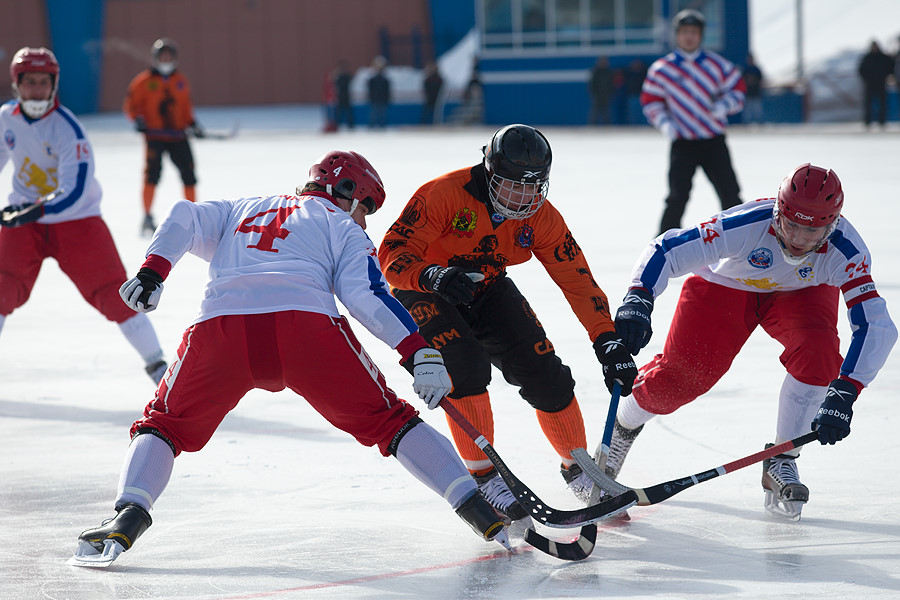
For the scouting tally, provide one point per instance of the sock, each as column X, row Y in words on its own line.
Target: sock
column 140, row 334
column 190, row 193
column 430, row 458
column 798, row 404
column 564, row 430
column 2, row 321
column 148, row 192
column 630, row 415
column 477, row 409
column 145, row 472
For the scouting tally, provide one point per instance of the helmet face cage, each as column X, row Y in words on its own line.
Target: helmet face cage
column 516, row 199
column 34, row 60
column 350, row 176
column 517, row 169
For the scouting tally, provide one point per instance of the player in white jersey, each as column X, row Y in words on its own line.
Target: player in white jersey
column 269, row 320
column 54, row 207
column 778, row 263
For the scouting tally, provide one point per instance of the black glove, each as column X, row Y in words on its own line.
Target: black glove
column 196, row 130
column 618, row 365
column 832, row 422
column 140, row 124
column 456, row 285
column 142, row 291
column 633, row 319
column 13, row 216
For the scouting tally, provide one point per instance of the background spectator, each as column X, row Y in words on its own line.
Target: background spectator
column 341, row 78
column 753, row 77
column 379, row 94
column 431, row 86
column 874, row 69
column 600, row 88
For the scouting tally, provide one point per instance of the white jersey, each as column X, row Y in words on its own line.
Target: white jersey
column 737, row 248
column 283, row 253
column 50, row 154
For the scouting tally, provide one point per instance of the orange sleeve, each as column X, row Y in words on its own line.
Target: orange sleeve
column 403, row 251
column 136, row 96
column 567, row 266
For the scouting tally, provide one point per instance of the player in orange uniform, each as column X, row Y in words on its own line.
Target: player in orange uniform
column 159, row 103
column 446, row 257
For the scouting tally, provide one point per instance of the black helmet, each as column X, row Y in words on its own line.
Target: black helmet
column 520, row 155
column 164, row 44
column 689, row 16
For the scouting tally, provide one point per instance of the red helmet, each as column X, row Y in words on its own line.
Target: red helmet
column 31, row 60
column 350, row 176
column 811, row 196
column 34, row 60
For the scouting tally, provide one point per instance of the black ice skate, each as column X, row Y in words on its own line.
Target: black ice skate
column 484, row 520
column 578, row 482
column 785, row 495
column 148, row 227
column 101, row 546
column 497, row 493
column 157, row 370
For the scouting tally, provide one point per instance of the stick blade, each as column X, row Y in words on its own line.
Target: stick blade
column 579, row 549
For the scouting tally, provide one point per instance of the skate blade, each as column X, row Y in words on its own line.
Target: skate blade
column 786, row 509
column 87, row 556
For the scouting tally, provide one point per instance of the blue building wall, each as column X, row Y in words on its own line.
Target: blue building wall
column 76, row 32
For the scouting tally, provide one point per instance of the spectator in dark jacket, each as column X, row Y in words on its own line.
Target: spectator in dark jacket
column 874, row 69
column 753, row 78
column 431, row 85
column 600, row 87
column 341, row 79
column 379, row 94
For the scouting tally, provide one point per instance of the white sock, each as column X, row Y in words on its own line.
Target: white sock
column 430, row 458
column 146, row 471
column 798, row 404
column 140, row 334
column 630, row 415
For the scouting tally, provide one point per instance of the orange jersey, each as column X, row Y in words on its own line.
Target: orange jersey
column 445, row 224
column 163, row 102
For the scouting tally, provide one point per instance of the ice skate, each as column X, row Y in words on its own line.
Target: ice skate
column 578, row 482
column 497, row 493
column 785, row 495
column 619, row 445
column 157, row 370
column 484, row 520
column 148, row 227
column 101, row 546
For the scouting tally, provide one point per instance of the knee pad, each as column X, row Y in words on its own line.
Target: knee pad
column 544, row 381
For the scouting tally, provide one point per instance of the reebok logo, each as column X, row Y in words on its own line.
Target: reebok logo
column 831, row 412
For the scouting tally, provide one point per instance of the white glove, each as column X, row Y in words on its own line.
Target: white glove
column 720, row 111
column 141, row 294
column 669, row 130
column 430, row 378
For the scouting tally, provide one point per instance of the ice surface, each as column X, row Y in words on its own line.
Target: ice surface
column 280, row 505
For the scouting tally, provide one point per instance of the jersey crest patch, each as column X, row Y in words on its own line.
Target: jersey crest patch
column 805, row 272
column 464, row 222
column 525, row 236
column 9, row 138
column 761, row 258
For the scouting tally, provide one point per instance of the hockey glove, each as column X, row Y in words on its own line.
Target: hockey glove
column 430, row 378
column 456, row 285
column 618, row 365
column 13, row 216
column 633, row 319
column 832, row 422
column 196, row 130
column 140, row 125
column 142, row 291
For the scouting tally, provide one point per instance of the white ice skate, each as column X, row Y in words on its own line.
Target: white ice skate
column 785, row 495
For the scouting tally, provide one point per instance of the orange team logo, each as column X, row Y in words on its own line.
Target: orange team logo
column 464, row 222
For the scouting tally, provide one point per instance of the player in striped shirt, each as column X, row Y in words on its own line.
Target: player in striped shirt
column 688, row 95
